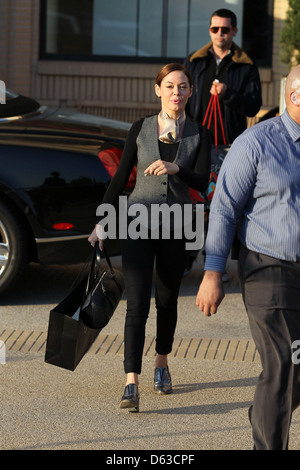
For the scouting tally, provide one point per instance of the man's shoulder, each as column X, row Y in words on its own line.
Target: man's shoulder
column 265, row 125
column 260, row 131
column 239, row 56
column 200, row 53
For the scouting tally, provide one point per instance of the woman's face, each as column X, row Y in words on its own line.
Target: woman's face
column 174, row 92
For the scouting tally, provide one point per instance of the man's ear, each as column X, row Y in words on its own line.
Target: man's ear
column 294, row 98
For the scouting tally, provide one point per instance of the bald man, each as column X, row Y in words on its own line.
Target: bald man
column 258, row 197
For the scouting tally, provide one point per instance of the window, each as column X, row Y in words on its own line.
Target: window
column 147, row 31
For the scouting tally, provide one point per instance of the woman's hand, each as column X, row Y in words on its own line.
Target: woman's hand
column 93, row 238
column 160, row 167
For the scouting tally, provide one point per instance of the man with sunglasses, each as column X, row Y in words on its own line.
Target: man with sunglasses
column 222, row 68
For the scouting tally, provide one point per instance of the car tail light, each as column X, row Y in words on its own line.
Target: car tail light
column 63, row 226
column 111, row 159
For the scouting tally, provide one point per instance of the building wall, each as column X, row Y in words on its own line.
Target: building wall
column 122, row 91
column 16, row 38
column 279, row 69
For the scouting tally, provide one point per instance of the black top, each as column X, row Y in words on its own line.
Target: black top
column 197, row 178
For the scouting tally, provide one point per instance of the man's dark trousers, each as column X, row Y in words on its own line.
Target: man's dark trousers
column 271, row 293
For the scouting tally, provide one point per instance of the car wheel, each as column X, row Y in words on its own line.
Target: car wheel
column 13, row 247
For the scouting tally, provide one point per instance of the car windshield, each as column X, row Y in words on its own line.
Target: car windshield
column 17, row 105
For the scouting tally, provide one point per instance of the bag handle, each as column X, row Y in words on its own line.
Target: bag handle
column 96, row 259
column 214, row 107
column 108, row 260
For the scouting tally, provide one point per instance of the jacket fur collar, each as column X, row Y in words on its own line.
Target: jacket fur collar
column 239, row 56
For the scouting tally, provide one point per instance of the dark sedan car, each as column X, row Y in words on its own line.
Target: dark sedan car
column 55, row 168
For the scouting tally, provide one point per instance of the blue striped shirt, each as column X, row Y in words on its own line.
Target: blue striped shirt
column 258, row 194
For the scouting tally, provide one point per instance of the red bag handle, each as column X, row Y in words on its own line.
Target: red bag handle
column 214, row 107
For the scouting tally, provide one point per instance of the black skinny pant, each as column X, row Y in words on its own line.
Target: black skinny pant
column 271, row 291
column 138, row 258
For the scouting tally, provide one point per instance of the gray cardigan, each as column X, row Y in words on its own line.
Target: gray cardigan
column 169, row 189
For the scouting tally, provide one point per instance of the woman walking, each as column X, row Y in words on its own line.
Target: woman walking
column 173, row 152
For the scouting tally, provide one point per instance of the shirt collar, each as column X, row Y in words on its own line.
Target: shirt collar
column 292, row 127
column 218, row 61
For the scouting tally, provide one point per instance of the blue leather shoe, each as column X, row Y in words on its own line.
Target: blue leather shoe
column 162, row 380
column 131, row 398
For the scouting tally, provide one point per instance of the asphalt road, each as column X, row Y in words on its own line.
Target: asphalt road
column 44, row 407
column 42, row 287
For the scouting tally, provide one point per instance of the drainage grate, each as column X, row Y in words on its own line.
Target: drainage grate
column 243, row 350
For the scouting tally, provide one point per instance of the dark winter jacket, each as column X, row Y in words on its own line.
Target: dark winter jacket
column 243, row 94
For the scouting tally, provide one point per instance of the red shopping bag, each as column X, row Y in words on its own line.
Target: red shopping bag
column 218, row 153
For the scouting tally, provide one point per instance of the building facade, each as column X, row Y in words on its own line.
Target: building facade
column 102, row 56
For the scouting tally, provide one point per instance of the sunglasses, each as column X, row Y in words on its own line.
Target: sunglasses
column 224, row 29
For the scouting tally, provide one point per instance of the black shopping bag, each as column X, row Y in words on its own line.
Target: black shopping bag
column 69, row 337
column 103, row 292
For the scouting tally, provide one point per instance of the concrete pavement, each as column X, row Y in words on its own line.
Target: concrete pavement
column 214, row 369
